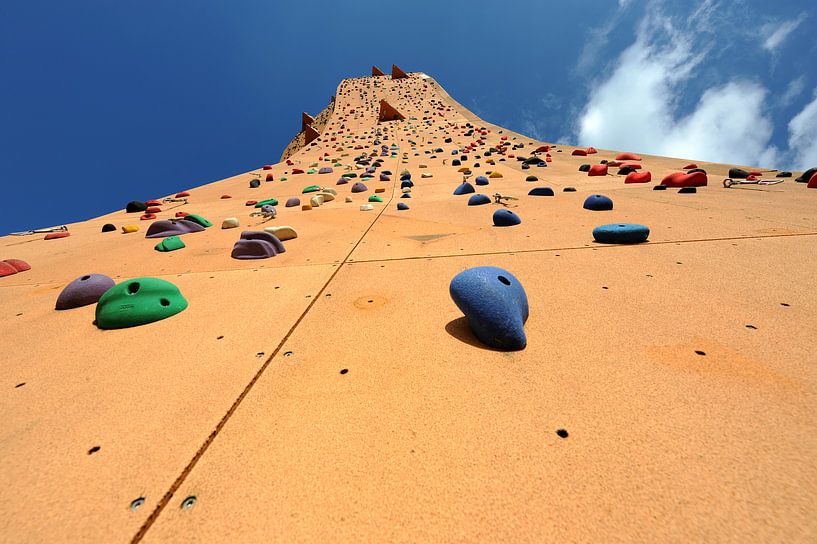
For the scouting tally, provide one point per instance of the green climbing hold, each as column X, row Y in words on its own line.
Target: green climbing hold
column 311, row 171
column 375, row 198
column 349, row 175
column 196, row 218
column 283, row 179
column 171, row 243
column 311, row 189
column 267, row 202
column 137, row 302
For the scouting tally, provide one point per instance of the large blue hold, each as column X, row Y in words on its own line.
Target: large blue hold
column 478, row 200
column 621, row 233
column 495, row 304
column 541, row 191
column 464, row 189
column 481, row 180
column 506, row 218
column 598, row 203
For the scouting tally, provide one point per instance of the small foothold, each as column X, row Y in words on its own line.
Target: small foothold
column 660, row 188
column 366, row 207
column 229, row 223
column 495, row 304
column 108, row 227
column 506, row 218
column 292, row 202
column 481, row 180
column 623, row 233
column 687, row 190
column 541, row 191
column 478, row 200
column 348, row 199
column 254, row 184
column 569, row 190
column 402, row 206
column 129, row 228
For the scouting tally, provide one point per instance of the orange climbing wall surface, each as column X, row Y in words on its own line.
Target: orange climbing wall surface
column 239, row 401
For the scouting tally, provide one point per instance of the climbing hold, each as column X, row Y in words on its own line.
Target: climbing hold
column 626, row 233
column 478, row 200
column 13, row 266
column 406, row 195
column 225, row 197
column 541, row 191
column 283, row 233
column 684, row 190
column 251, row 203
column 405, row 190
column 690, row 166
column 807, row 175
column 196, row 218
column 366, row 207
column 55, row 235
column 325, row 170
column 153, row 210
column 254, row 184
column 375, row 198
column 182, row 194
column 531, row 178
column 812, row 183
column 172, row 227
column 306, row 207
column 597, row 170
column 660, row 188
column 481, row 180
column 495, row 304
column 108, row 227
column 291, row 202
column 584, row 168
column 257, row 244
column 464, row 188
column 83, row 291
column 402, row 206
column 129, row 228
column 783, row 174
column 171, row 243
column 682, row 179
column 506, row 218
column 627, row 157
column 147, row 217
column 348, row 199
column 569, row 189
column 342, row 181
column 311, row 189
column 316, row 201
column 380, row 190
column 384, row 177
column 229, row 223
column 638, row 177
column 359, row 187
column 579, row 153
column 327, row 196
column 495, row 174
column 137, row 302
column 406, row 183
column 266, row 202
column 182, row 214
column 598, row 203
column 135, row 206
column 738, row 173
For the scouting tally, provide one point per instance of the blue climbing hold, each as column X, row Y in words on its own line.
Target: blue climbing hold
column 478, row 200
column 406, row 183
column 455, row 162
column 402, row 206
column 464, row 189
column 598, row 203
column 541, row 191
column 406, row 195
column 481, row 180
column 621, row 233
column 495, row 304
column 506, row 218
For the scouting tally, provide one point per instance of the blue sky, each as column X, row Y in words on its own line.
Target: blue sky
column 105, row 102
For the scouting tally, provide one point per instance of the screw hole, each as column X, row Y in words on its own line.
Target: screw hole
column 504, row 280
column 259, row 354
column 288, row 354
column 20, row 385
column 220, row 337
column 785, row 304
column 562, row 433
column 93, row 450
column 344, row 370
column 188, row 502
column 751, row 327
column 136, row 503
column 699, row 352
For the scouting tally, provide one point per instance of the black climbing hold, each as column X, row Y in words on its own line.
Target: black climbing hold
column 686, row 190
column 108, row 227
column 135, row 206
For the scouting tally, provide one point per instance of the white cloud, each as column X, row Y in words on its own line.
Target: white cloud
column 794, row 89
column 778, row 32
column 803, row 136
column 635, row 107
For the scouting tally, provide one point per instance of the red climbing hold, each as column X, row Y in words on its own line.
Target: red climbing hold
column 153, row 203
column 290, row 163
column 682, row 179
column 181, row 214
column 548, row 159
column 270, row 177
column 591, row 150
column 18, row 265
column 6, row 269
column 55, row 235
column 614, row 164
column 223, row 197
column 751, row 177
column 147, row 217
column 542, row 149
column 579, row 153
column 153, row 209
column 638, row 177
column 597, row 170
column 627, row 157
column 182, row 194
column 690, row 166
column 812, row 183
column 299, row 171
column 251, row 203
column 633, row 165
column 267, row 167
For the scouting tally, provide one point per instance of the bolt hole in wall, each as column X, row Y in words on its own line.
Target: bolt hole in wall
column 136, row 503
column 93, row 450
column 503, row 280
column 562, row 433
column 188, row 502
column 699, row 352
column 344, row 371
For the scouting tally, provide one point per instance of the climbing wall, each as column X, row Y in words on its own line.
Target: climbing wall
column 335, row 392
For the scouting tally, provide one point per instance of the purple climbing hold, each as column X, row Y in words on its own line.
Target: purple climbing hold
column 359, row 187
column 384, row 177
column 294, row 201
column 83, row 291
column 325, row 170
column 342, row 181
column 172, row 227
column 257, row 245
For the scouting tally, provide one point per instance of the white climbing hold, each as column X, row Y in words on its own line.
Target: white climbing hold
column 406, row 190
column 316, row 201
column 426, row 175
column 327, row 197
column 283, row 233
column 349, row 199
column 229, row 223
column 366, row 207
column 329, row 190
